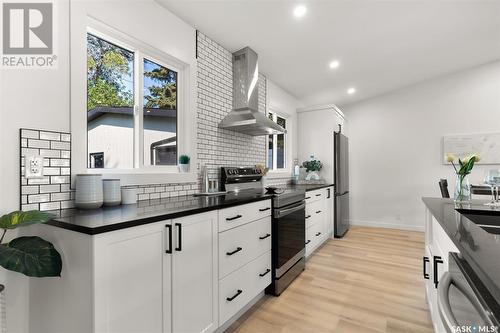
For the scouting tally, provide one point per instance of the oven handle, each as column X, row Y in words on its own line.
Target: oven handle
column 443, row 301
column 283, row 212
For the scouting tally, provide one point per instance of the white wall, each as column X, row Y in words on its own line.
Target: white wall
column 284, row 104
column 41, row 99
column 395, row 143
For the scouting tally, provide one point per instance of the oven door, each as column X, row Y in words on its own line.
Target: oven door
column 459, row 306
column 289, row 234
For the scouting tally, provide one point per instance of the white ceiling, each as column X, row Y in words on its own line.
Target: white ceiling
column 381, row 45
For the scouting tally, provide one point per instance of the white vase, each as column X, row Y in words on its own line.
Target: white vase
column 312, row 175
column 183, row 167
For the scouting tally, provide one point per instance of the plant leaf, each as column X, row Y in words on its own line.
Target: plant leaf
column 31, row 256
column 22, row 219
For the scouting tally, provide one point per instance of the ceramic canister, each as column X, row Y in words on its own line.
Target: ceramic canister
column 89, row 192
column 112, row 192
column 129, row 195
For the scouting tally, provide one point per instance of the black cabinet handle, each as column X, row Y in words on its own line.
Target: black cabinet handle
column 308, row 216
column 318, row 195
column 264, row 237
column 238, row 249
column 264, row 209
column 169, row 249
column 437, row 260
column 318, row 211
column 233, row 218
column 265, row 273
column 308, row 198
column 425, row 261
column 328, row 195
column 179, row 237
column 308, row 241
column 319, row 233
column 238, row 293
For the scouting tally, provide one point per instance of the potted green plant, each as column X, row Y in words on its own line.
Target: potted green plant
column 462, row 191
column 312, row 167
column 31, row 256
column 184, row 163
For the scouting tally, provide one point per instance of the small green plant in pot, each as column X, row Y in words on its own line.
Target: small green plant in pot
column 31, row 256
column 312, row 167
column 184, row 163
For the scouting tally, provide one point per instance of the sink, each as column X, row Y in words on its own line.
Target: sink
column 490, row 223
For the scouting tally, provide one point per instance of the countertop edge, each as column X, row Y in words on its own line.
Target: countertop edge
column 150, row 219
column 475, row 272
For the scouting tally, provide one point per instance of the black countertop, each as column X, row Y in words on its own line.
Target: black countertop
column 480, row 248
column 107, row 219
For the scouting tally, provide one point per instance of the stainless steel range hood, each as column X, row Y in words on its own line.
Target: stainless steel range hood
column 245, row 116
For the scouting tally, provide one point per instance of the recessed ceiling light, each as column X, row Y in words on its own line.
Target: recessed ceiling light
column 334, row 64
column 299, row 11
column 351, row 91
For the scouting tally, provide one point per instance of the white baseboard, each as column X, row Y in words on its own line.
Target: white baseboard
column 377, row 224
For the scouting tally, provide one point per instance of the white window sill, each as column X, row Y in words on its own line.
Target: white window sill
column 282, row 173
column 146, row 176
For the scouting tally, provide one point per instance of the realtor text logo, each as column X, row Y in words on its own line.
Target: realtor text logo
column 28, row 35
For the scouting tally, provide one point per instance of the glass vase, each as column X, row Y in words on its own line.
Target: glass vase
column 462, row 189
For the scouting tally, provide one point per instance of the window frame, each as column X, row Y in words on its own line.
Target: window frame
column 140, row 53
column 275, row 115
column 186, row 111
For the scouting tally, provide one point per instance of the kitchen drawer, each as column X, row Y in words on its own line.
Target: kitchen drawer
column 241, row 286
column 315, row 212
column 253, row 239
column 315, row 195
column 311, row 239
column 235, row 216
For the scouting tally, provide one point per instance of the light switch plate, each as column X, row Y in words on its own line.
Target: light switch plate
column 33, row 166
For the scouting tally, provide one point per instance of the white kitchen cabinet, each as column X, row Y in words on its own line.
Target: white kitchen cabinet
column 130, row 273
column 194, row 273
column 315, row 136
column 160, row 277
column 435, row 263
column 319, row 218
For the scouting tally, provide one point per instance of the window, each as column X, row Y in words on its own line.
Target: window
column 128, row 126
column 276, row 152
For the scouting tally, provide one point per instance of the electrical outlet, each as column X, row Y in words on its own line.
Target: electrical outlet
column 33, row 166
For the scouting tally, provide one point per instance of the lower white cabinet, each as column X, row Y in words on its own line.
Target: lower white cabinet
column 319, row 218
column 435, row 263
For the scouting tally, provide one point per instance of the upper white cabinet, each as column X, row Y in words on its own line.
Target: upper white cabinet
column 315, row 136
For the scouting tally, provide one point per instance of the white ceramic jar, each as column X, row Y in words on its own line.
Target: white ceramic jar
column 89, row 192
column 112, row 192
column 129, row 195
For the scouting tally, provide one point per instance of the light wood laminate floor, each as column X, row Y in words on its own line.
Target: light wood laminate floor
column 369, row 281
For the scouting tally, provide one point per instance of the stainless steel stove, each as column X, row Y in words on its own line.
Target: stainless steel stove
column 288, row 223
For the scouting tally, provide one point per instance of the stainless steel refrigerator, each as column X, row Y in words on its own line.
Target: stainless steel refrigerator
column 341, row 179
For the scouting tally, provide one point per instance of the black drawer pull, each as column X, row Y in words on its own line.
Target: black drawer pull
column 233, row 218
column 318, row 211
column 238, row 249
column 264, row 209
column 437, row 260
column 308, row 198
column 264, row 237
column 179, row 239
column 425, row 261
column 308, row 241
column 319, row 233
column 265, row 273
column 238, row 293
column 318, row 195
column 308, row 216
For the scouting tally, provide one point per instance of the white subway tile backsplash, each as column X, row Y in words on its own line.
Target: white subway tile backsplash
column 60, row 145
column 55, row 136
